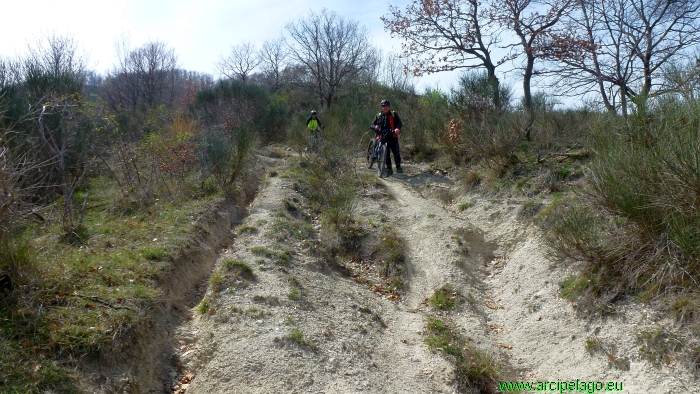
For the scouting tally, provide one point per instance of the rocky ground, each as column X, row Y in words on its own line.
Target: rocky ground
column 299, row 324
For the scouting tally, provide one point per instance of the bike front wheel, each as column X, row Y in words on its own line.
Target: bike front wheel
column 381, row 164
column 314, row 141
column 370, row 154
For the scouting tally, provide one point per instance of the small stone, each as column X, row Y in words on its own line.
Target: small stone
column 172, row 374
column 259, row 321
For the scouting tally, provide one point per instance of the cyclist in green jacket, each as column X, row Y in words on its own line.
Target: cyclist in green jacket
column 314, row 125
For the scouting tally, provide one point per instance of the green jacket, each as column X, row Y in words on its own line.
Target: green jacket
column 313, row 124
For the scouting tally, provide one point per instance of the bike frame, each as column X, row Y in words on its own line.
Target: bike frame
column 378, row 152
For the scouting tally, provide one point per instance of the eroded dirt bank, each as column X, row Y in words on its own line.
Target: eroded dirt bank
column 138, row 365
column 546, row 340
column 303, row 325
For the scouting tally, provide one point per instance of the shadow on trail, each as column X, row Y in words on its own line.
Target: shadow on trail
column 423, row 178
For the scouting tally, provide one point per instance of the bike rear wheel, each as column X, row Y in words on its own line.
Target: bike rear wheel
column 370, row 154
column 381, row 164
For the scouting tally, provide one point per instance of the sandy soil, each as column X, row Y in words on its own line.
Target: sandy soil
column 358, row 341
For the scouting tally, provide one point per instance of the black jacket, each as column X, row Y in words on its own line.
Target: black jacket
column 384, row 123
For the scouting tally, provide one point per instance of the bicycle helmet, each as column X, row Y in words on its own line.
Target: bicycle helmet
column 385, row 102
column 313, row 112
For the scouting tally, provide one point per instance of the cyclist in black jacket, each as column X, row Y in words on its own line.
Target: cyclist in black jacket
column 389, row 120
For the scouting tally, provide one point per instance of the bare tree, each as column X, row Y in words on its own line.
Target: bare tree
column 157, row 66
column 332, row 49
column 122, row 85
column 370, row 77
column 445, row 35
column 397, row 74
column 144, row 77
column 57, row 56
column 272, row 56
column 683, row 78
column 55, row 134
column 622, row 46
column 10, row 74
column 54, row 79
column 192, row 83
column 533, row 22
column 54, row 66
column 240, row 63
column 10, row 191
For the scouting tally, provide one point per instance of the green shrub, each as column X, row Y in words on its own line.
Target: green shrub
column 474, row 94
column 225, row 154
column 637, row 226
column 658, row 345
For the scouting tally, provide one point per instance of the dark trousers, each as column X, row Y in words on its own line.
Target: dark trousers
column 393, row 147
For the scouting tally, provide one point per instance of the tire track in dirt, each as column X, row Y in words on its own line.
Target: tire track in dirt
column 363, row 342
column 434, row 256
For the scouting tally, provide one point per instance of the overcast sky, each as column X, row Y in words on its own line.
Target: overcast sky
column 199, row 31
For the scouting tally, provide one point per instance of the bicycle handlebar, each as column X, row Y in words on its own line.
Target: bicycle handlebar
column 381, row 131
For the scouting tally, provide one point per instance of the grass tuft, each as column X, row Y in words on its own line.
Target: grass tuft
column 239, row 268
column 282, row 257
column 204, row 306
column 475, row 368
column 445, row 298
column 247, row 229
column 464, row 206
column 156, row 254
column 685, row 307
column 297, row 336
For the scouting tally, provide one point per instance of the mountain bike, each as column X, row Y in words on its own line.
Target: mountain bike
column 377, row 151
column 314, row 139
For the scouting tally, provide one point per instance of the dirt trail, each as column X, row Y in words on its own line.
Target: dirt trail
column 349, row 339
column 365, row 343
